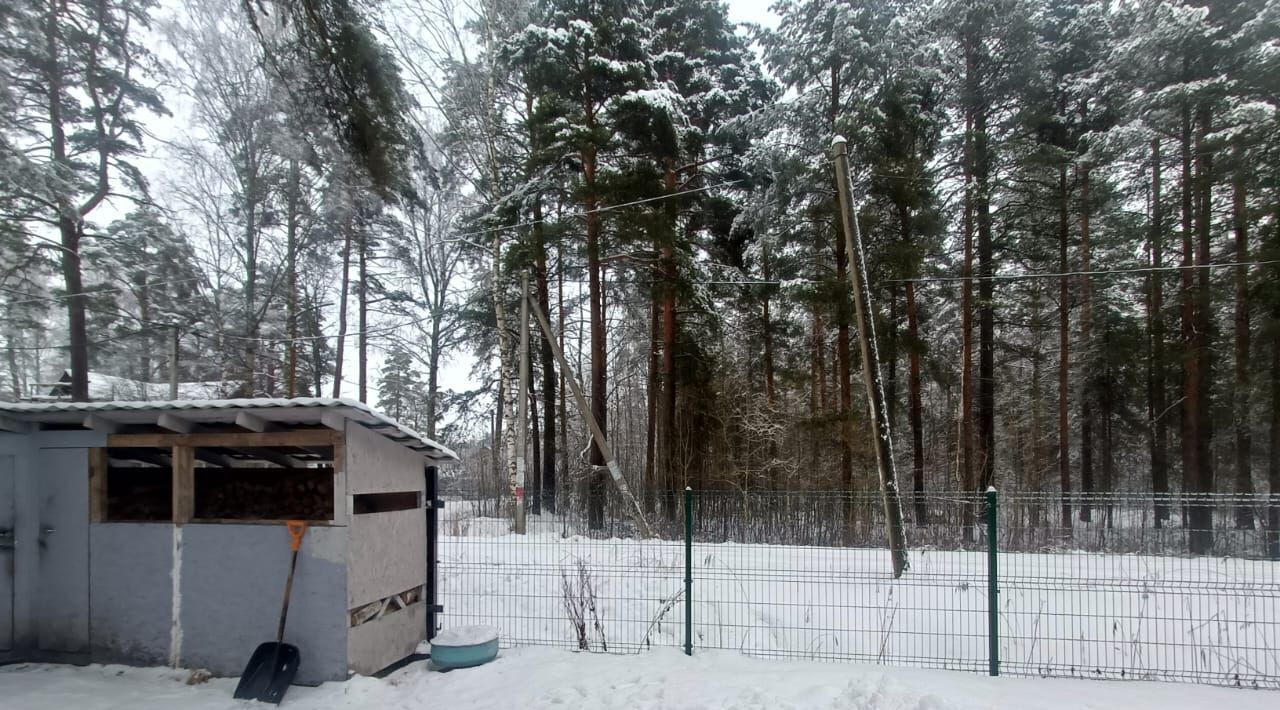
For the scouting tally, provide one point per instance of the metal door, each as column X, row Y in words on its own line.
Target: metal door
column 7, row 551
column 62, row 591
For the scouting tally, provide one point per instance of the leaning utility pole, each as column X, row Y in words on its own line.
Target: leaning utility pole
column 870, row 362
column 615, row 472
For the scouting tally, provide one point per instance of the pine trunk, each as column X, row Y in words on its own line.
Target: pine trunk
column 1088, row 393
column 547, row 492
column 1202, row 515
column 667, row 407
column 70, row 229
column 967, row 481
column 362, row 306
column 1158, row 427
column 250, row 280
column 770, row 386
column 916, row 413
column 345, row 288
column 292, row 207
column 1190, row 380
column 1064, row 347
column 653, row 489
column 986, row 306
column 599, row 352
column 1240, row 410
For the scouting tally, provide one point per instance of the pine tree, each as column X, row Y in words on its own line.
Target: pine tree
column 76, row 72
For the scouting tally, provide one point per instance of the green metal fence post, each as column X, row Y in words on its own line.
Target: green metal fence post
column 688, row 571
column 993, row 587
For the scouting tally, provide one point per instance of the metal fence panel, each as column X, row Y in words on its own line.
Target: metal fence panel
column 1114, row 593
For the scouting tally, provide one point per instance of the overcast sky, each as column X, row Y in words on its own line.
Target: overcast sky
column 756, row 11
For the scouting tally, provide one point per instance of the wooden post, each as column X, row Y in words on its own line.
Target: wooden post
column 865, row 323
column 522, row 405
column 184, row 466
column 615, row 472
column 98, row 468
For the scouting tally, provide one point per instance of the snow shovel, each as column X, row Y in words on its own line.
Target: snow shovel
column 273, row 665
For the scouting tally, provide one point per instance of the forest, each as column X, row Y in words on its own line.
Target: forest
column 1071, row 212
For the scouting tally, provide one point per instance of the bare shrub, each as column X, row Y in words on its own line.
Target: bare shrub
column 579, row 596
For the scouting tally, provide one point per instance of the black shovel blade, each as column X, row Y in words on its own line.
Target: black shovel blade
column 269, row 673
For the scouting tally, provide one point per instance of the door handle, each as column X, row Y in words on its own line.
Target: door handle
column 6, row 538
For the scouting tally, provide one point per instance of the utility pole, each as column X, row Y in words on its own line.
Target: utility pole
column 173, row 361
column 870, row 361
column 615, row 472
column 522, row 404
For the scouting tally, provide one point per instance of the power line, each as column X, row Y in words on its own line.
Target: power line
column 103, row 341
column 1095, row 272
column 598, row 210
column 951, row 279
column 107, row 289
column 244, row 338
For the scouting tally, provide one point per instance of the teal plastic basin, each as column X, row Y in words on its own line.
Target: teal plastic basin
column 464, row 647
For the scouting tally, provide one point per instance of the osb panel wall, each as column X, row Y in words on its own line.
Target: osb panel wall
column 378, row 465
column 379, row 643
column 387, row 555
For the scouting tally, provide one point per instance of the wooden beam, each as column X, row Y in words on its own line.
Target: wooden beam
column 334, row 421
column 15, row 426
column 342, row 503
column 214, row 458
column 184, row 484
column 253, row 422
column 173, row 422
column 102, row 424
column 152, row 457
column 271, row 455
column 232, row 440
column 98, row 466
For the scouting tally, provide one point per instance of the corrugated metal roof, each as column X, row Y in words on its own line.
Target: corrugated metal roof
column 295, row 411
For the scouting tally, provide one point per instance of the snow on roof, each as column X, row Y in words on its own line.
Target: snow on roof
column 299, row 410
column 113, row 387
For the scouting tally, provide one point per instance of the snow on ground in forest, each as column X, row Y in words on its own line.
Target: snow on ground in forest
column 534, row 678
column 1067, row 614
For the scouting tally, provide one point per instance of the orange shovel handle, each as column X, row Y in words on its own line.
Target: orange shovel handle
column 297, row 529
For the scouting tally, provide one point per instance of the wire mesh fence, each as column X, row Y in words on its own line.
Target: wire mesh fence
column 1127, row 588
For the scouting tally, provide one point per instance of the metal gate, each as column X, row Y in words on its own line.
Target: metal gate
column 62, row 598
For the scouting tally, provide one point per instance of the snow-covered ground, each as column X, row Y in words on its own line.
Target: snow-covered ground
column 1087, row 615
column 533, row 678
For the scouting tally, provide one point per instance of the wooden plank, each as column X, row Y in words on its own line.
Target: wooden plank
column 334, row 421
column 214, row 458
column 102, row 424
column 184, row 485
column 98, row 473
column 342, row 503
column 16, row 426
column 253, row 422
column 175, row 423
column 376, row 644
column 269, row 455
column 229, row 440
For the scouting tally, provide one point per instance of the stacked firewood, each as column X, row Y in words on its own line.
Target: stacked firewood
column 263, row 494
